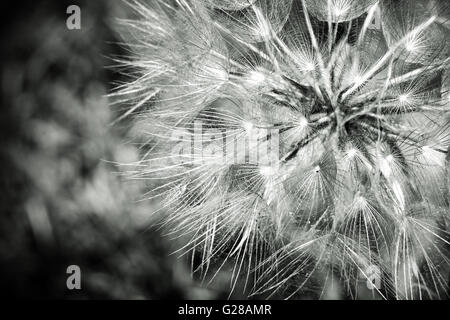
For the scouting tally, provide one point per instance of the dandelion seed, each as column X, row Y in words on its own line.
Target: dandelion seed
column 248, row 127
column 403, row 98
column 358, row 80
column 351, row 153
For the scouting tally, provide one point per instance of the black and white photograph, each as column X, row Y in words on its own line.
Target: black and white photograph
column 225, row 150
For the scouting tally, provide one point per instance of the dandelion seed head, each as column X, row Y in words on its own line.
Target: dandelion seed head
column 352, row 109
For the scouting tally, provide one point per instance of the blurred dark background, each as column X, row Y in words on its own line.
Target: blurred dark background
column 63, row 201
